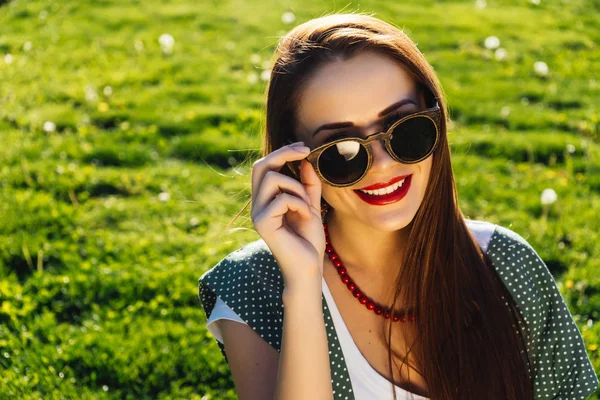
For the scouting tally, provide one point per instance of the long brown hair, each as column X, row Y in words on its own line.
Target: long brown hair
column 468, row 344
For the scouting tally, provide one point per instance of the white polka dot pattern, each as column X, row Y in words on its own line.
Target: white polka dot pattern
column 562, row 368
column 249, row 281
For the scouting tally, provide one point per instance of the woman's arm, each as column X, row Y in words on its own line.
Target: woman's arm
column 301, row 370
column 304, row 371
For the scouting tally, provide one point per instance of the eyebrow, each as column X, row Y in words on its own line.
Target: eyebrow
column 336, row 125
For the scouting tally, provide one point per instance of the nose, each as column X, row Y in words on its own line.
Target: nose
column 382, row 160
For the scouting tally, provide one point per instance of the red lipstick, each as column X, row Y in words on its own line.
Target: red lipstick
column 382, row 200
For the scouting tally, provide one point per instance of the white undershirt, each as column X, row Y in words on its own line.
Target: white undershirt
column 367, row 383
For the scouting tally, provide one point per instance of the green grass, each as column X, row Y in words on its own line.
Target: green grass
column 99, row 266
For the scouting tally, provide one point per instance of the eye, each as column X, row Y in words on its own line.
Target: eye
column 389, row 121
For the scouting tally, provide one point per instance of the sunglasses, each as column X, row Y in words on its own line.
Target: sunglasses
column 345, row 161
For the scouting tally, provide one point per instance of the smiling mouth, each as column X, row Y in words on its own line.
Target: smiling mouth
column 385, row 185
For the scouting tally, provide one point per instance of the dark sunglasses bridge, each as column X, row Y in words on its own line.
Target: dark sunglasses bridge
column 432, row 114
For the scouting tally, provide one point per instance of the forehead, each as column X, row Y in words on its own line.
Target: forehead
column 354, row 90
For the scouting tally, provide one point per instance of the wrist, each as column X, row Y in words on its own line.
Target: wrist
column 303, row 291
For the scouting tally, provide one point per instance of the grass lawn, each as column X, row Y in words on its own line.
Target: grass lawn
column 122, row 162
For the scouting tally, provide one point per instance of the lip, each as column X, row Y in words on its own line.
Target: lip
column 386, row 198
column 384, row 184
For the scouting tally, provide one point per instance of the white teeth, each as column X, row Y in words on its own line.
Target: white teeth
column 383, row 191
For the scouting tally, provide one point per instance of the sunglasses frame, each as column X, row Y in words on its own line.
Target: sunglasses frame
column 433, row 113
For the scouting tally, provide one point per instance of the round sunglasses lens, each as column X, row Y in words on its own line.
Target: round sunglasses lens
column 413, row 138
column 343, row 162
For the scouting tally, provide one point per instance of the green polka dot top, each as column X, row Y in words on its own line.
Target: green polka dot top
column 249, row 282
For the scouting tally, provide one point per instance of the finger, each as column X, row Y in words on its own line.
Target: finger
column 273, row 184
column 312, row 184
column 271, row 218
column 273, row 161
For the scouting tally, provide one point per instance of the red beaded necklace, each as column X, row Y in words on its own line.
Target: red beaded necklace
column 356, row 292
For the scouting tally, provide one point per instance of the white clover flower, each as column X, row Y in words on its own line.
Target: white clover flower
column 536, row 2
column 491, row 42
column 540, row 68
column 27, row 46
column 164, row 196
column 288, row 17
column 505, row 112
column 548, row 196
column 8, row 58
column 500, row 54
column 194, row 221
column 108, row 91
column 570, row 148
column 49, row 127
column 166, row 42
column 480, row 4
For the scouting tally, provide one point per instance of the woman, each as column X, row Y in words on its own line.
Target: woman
column 388, row 290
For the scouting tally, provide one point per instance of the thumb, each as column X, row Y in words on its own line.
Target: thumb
column 312, row 184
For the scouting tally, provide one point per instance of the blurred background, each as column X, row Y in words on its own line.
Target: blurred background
column 128, row 129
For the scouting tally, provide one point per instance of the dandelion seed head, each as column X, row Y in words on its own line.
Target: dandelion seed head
column 288, row 17
column 500, row 54
column 548, row 196
column 252, row 77
column 540, row 68
column 164, row 197
column 49, row 127
column 491, row 42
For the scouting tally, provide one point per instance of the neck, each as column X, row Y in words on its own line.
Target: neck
column 366, row 251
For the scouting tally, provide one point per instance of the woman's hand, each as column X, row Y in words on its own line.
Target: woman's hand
column 286, row 214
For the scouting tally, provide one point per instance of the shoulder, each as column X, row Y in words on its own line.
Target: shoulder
column 557, row 342
column 249, row 282
column 482, row 231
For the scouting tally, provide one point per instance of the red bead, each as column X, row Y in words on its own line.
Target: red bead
column 356, row 292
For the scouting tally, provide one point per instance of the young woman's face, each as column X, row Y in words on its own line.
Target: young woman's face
column 356, row 91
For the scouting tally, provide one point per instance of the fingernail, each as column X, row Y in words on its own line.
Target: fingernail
column 302, row 149
column 298, row 144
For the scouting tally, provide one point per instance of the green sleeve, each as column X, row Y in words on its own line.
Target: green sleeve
column 562, row 368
